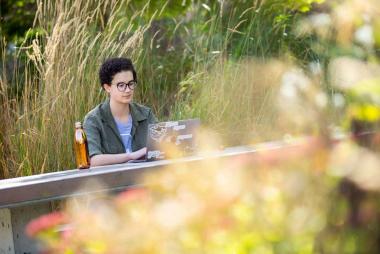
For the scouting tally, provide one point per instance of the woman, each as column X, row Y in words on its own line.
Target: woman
column 117, row 128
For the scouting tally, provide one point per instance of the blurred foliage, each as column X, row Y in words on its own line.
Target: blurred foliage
column 275, row 202
column 16, row 18
column 365, row 101
column 252, row 71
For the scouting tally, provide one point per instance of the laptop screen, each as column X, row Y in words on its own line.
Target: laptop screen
column 171, row 138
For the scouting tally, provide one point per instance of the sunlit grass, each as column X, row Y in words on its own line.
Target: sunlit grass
column 249, row 80
column 55, row 81
column 216, row 62
column 59, row 82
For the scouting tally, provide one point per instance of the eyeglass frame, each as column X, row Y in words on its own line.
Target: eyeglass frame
column 131, row 85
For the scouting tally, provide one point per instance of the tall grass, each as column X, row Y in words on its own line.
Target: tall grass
column 190, row 66
column 60, row 80
column 232, row 85
column 237, row 100
column 5, row 105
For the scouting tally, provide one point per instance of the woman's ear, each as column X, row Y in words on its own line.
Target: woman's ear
column 107, row 87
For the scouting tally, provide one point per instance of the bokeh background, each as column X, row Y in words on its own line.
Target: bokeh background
column 252, row 71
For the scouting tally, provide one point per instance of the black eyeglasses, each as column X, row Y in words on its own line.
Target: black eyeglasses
column 122, row 86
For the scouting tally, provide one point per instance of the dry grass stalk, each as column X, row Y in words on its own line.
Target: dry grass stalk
column 59, row 83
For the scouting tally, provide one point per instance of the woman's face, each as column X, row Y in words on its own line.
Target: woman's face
column 120, row 89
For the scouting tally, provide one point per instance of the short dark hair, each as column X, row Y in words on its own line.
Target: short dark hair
column 112, row 66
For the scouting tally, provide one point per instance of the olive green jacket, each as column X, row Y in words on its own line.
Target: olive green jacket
column 103, row 136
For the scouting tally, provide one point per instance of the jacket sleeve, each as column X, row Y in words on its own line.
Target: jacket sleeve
column 91, row 129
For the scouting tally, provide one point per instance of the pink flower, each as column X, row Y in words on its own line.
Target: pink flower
column 135, row 194
column 45, row 222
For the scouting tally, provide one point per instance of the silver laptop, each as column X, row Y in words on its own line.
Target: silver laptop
column 175, row 135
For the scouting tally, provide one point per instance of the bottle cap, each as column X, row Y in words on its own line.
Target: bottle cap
column 78, row 124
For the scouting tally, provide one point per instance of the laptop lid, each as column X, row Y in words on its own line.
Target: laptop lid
column 172, row 138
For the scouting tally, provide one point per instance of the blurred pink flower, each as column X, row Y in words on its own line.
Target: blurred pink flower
column 45, row 222
column 131, row 195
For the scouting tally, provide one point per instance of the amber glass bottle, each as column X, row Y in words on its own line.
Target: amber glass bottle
column 81, row 147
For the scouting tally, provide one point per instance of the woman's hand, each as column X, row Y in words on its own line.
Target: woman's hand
column 137, row 154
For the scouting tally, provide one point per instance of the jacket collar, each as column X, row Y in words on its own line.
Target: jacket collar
column 106, row 112
column 108, row 118
column 136, row 114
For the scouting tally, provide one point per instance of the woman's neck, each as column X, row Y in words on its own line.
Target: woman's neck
column 119, row 111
